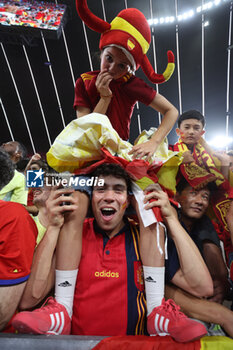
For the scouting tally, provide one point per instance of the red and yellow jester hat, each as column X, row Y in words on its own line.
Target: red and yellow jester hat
column 131, row 31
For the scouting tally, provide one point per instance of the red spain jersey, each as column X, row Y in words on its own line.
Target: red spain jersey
column 126, row 92
column 18, row 234
column 109, row 296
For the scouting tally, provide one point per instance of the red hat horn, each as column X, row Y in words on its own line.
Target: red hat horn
column 158, row 78
column 92, row 21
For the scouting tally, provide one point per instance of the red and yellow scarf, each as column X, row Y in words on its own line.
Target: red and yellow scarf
column 201, row 172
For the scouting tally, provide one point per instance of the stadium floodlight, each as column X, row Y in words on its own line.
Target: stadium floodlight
column 191, row 13
column 184, row 16
column 220, row 141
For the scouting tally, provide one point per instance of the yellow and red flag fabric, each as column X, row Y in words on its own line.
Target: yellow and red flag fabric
column 163, row 343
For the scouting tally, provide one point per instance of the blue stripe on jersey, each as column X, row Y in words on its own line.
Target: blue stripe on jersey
column 136, row 298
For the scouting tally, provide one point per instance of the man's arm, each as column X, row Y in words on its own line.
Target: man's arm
column 41, row 279
column 217, row 268
column 193, row 275
column 170, row 114
column 32, row 209
column 201, row 309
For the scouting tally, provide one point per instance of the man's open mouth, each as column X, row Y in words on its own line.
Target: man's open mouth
column 108, row 211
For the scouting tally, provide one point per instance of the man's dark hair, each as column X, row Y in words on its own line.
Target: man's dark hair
column 192, row 114
column 107, row 169
column 6, row 169
column 182, row 184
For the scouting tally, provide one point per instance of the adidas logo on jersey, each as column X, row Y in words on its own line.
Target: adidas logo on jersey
column 108, row 274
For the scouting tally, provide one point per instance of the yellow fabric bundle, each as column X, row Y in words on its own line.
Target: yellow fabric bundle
column 80, row 143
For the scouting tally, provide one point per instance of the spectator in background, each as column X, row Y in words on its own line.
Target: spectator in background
column 18, row 237
column 194, row 204
column 199, row 167
column 35, row 163
column 40, row 196
column 15, row 190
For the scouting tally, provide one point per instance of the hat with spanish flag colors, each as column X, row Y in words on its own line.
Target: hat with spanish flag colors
column 131, row 31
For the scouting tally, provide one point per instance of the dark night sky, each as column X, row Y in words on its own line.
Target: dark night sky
column 216, row 42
